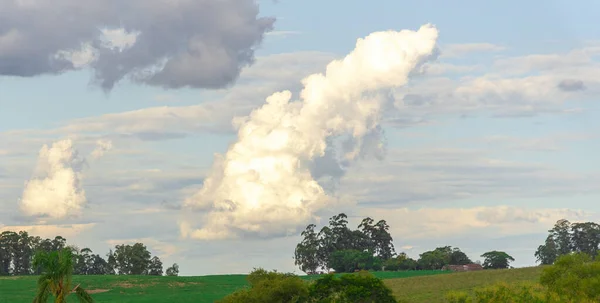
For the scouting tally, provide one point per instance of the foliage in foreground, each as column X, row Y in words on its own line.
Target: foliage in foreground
column 56, row 277
column 274, row 287
column 572, row 278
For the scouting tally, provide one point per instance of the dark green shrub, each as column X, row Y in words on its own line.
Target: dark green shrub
column 271, row 287
column 502, row 292
column 573, row 277
column 351, row 288
column 350, row 260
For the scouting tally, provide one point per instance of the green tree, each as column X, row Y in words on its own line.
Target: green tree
column 547, row 253
column 340, row 233
column 9, row 242
column 400, row 262
column 496, row 259
column 350, row 260
column 441, row 256
column 270, row 287
column 131, row 259
column 315, row 249
column 585, row 238
column 457, row 257
column 56, row 277
column 155, row 268
column 561, row 232
column 379, row 239
column 173, row 271
column 23, row 255
column 306, row 254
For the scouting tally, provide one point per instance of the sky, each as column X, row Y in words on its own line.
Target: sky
column 194, row 127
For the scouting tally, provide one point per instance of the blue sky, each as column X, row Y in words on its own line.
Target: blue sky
column 492, row 152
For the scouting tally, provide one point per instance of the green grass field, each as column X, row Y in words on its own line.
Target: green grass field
column 432, row 289
column 145, row 289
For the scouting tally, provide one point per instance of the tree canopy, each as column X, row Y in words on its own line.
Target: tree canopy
column 566, row 237
column 337, row 242
column 496, row 260
column 17, row 251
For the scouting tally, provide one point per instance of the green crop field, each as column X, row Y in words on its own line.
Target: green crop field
column 432, row 289
column 145, row 289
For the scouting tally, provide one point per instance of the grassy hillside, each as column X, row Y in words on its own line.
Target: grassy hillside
column 146, row 289
column 432, row 289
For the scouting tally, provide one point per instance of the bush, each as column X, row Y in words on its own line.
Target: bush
column 350, row 260
column 271, row 287
column 573, row 278
column 353, row 288
column 400, row 263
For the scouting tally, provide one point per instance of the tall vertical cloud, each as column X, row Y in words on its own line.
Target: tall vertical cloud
column 263, row 185
column 193, row 43
column 55, row 189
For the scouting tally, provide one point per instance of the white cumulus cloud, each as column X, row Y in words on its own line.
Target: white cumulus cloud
column 102, row 146
column 55, row 190
column 263, row 185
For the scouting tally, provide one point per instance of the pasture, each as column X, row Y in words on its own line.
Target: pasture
column 146, row 289
column 432, row 289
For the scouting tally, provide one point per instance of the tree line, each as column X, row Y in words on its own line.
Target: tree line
column 370, row 247
column 18, row 249
column 566, row 238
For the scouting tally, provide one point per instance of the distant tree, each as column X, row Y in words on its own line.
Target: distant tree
column 457, row 257
column 131, row 259
column 306, row 255
column 350, row 260
column 83, row 261
column 433, row 260
column 340, row 233
column 585, row 238
column 496, row 260
column 566, row 238
column 562, row 237
column 173, row 271
column 441, row 256
column 17, row 250
column 547, row 253
column 400, row 262
column 100, row 266
column 56, row 277
column 316, row 249
column 112, row 262
column 9, row 248
column 378, row 239
column 155, row 268
column 23, row 254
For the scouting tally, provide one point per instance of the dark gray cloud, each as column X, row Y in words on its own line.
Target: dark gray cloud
column 198, row 43
column 570, row 85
